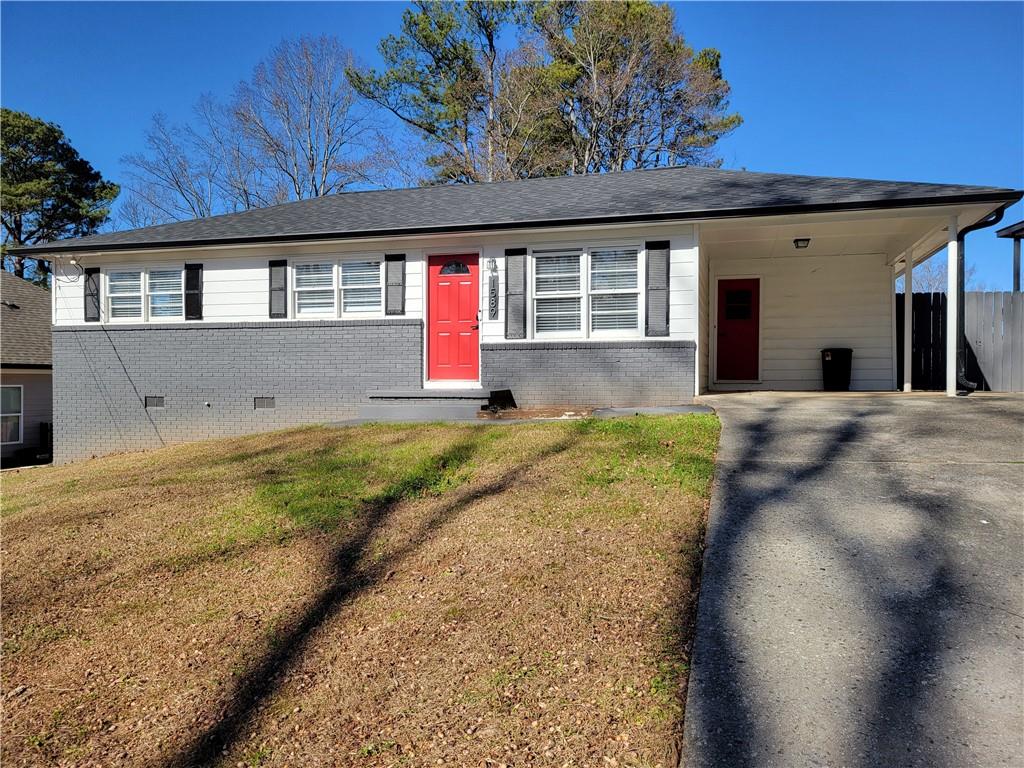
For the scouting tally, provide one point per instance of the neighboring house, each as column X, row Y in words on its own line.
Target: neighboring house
column 633, row 289
column 26, row 405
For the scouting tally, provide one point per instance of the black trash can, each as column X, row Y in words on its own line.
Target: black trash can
column 836, row 363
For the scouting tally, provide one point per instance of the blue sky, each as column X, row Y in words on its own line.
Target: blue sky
column 915, row 91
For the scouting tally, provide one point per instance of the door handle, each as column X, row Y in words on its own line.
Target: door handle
column 474, row 327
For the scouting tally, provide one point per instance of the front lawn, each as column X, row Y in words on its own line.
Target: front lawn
column 372, row 595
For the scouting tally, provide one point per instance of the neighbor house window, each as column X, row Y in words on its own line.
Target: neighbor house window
column 10, row 414
column 614, row 290
column 361, row 287
column 314, row 290
column 124, row 294
column 586, row 292
column 557, row 292
column 164, row 289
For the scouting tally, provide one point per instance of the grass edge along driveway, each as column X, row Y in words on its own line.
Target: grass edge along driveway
column 370, row 595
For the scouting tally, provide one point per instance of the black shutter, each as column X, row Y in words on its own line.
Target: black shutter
column 515, row 293
column 657, row 287
column 394, row 281
column 193, row 291
column 92, row 295
column 279, row 288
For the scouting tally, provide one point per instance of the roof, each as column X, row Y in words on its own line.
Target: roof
column 1015, row 231
column 627, row 196
column 24, row 323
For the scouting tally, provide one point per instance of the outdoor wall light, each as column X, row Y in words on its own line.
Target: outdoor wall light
column 492, row 266
column 801, row 242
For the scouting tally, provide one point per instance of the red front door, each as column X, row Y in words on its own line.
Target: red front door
column 738, row 312
column 453, row 305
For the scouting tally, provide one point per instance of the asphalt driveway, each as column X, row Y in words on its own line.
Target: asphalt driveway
column 862, row 601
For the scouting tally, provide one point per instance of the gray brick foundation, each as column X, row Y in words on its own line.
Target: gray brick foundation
column 596, row 374
column 316, row 371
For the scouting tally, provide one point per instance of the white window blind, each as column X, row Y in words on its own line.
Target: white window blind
column 164, row 287
column 124, row 294
column 314, row 289
column 361, row 291
column 614, row 290
column 557, row 291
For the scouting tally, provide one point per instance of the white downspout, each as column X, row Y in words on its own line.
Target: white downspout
column 908, row 318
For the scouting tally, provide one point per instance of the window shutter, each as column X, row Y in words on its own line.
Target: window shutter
column 515, row 293
column 193, row 291
column 394, row 277
column 92, row 295
column 279, row 288
column 657, row 288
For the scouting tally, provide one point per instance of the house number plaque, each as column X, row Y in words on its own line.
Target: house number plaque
column 492, row 297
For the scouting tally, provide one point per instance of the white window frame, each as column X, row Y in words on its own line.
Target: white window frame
column 20, row 414
column 180, row 268
column 338, row 290
column 586, row 292
column 107, row 311
column 369, row 257
column 145, row 317
column 294, row 290
column 580, row 294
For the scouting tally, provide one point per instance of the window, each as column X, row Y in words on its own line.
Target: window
column 314, row 290
column 10, row 414
column 154, row 401
column 124, row 294
column 614, row 292
column 349, row 288
column 607, row 303
column 557, row 296
column 360, row 287
column 165, row 293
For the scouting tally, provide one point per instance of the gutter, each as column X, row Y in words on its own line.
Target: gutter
column 1008, row 197
column 963, row 386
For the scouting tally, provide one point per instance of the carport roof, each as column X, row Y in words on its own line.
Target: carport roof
column 611, row 198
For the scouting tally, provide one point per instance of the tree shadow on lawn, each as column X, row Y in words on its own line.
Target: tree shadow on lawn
column 350, row 573
column 732, row 722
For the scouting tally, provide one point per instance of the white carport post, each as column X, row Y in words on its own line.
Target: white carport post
column 952, row 285
column 908, row 317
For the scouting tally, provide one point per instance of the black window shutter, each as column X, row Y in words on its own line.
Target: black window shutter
column 515, row 293
column 657, row 287
column 193, row 291
column 394, row 281
column 279, row 288
column 92, row 295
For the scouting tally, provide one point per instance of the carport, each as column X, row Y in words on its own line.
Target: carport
column 775, row 290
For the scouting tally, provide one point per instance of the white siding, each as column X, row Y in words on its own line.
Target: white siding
column 703, row 372
column 236, row 280
column 811, row 303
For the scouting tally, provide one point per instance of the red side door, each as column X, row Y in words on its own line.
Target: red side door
column 453, row 304
column 739, row 310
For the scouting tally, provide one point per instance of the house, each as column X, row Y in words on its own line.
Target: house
column 26, row 406
column 635, row 288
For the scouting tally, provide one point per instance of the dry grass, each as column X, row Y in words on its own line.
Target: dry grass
column 376, row 595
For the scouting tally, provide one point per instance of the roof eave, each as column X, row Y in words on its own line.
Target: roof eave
column 76, row 246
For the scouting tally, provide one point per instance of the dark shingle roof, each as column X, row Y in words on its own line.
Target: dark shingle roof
column 24, row 327
column 667, row 193
column 1014, row 231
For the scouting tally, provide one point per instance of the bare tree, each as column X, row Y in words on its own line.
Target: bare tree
column 294, row 130
column 303, row 118
column 930, row 276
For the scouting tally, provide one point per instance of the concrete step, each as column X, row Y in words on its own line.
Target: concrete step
column 439, row 396
column 423, row 410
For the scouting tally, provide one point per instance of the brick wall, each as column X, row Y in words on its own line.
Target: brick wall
column 603, row 373
column 316, row 371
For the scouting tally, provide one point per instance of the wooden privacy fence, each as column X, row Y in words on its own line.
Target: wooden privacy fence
column 994, row 327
